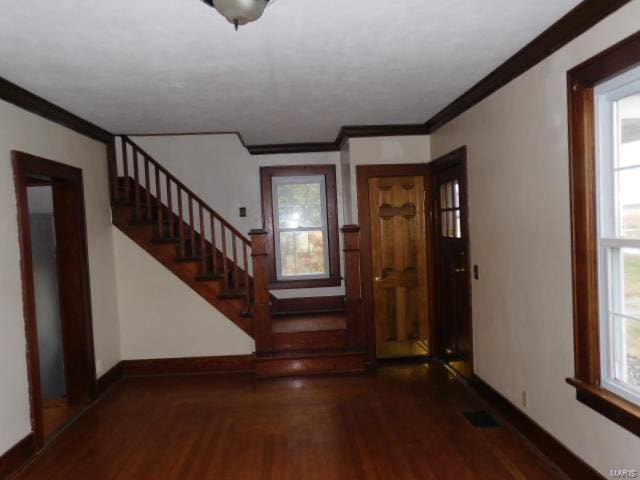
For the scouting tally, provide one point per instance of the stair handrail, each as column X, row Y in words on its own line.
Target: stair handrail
column 236, row 281
column 186, row 189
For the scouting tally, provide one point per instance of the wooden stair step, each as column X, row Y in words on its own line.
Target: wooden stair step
column 161, row 240
column 309, row 323
column 209, row 277
column 189, row 257
column 232, row 294
column 317, row 340
column 309, row 363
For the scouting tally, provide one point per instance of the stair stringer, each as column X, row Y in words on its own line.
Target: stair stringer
column 165, row 253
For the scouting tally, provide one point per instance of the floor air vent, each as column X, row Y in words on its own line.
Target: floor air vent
column 481, row 419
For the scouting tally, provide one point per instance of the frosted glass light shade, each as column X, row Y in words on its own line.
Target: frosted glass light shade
column 240, row 11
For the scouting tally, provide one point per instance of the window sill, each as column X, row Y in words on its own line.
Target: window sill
column 612, row 406
column 310, row 283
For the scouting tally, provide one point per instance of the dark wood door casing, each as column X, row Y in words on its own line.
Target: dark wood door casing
column 454, row 332
column 73, row 281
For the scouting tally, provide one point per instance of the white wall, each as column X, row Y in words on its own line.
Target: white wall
column 21, row 130
column 520, row 238
column 220, row 170
column 161, row 317
column 379, row 151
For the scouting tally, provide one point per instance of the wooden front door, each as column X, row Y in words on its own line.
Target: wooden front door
column 399, row 265
column 454, row 334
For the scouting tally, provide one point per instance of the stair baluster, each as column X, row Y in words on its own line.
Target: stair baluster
column 170, row 217
column 159, row 206
column 225, row 263
column 181, row 220
column 234, row 247
column 214, row 256
column 125, row 169
column 235, row 280
column 147, row 186
column 192, row 229
column 203, row 248
column 136, row 184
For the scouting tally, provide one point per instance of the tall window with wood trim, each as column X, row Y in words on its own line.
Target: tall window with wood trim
column 300, row 213
column 618, row 187
column 604, row 121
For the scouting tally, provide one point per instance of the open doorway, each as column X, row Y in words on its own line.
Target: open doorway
column 56, row 295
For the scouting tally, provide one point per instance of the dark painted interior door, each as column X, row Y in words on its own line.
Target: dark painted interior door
column 455, row 344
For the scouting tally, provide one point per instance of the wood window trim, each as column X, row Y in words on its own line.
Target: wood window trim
column 329, row 173
column 581, row 82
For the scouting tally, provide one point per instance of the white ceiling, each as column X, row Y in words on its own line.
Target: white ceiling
column 303, row 70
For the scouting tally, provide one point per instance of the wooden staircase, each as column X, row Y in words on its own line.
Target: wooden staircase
column 309, row 342
column 159, row 213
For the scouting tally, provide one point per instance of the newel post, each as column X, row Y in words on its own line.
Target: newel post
column 262, row 306
column 352, row 284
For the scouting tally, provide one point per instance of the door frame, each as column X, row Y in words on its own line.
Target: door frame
column 452, row 159
column 73, row 279
column 363, row 174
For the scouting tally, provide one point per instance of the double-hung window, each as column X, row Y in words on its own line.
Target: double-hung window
column 300, row 227
column 617, row 114
column 299, row 206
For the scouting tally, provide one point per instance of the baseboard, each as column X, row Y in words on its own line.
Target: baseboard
column 188, row 365
column 106, row 381
column 17, row 456
column 564, row 458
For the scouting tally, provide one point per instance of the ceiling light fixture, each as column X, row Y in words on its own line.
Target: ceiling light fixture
column 239, row 12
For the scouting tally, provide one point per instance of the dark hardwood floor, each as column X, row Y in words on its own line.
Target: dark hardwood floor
column 400, row 422
column 56, row 412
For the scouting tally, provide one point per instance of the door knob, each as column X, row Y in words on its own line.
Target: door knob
column 378, row 279
column 460, row 270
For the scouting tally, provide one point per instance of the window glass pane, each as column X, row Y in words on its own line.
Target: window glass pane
column 458, row 228
column 629, row 131
column 451, row 232
column 632, row 340
column 626, row 354
column 631, row 281
column 299, row 205
column 302, row 253
column 456, row 194
column 628, row 192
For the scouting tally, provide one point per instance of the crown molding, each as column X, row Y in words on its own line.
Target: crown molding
column 31, row 102
column 580, row 19
column 345, row 133
column 291, row 148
